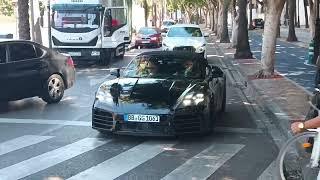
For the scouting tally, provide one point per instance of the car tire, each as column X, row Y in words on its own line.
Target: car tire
column 53, row 89
column 105, row 58
column 212, row 118
column 122, row 55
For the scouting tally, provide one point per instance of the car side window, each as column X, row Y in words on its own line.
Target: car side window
column 3, row 54
column 21, row 51
column 39, row 52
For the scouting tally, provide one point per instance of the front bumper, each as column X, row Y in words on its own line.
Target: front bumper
column 188, row 121
column 187, row 49
column 149, row 43
column 82, row 53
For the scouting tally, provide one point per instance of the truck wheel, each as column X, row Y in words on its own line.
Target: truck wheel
column 121, row 56
column 105, row 58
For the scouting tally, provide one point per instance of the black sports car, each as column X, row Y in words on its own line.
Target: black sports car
column 161, row 94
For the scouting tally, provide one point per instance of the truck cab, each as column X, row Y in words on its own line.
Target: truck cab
column 90, row 29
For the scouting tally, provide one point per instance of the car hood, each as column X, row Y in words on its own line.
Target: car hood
column 137, row 95
column 183, row 41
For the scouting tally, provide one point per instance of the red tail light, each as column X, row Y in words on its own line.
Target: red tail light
column 70, row 62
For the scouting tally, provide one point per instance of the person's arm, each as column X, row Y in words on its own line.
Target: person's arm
column 310, row 124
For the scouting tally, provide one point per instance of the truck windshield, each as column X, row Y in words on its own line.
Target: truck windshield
column 76, row 19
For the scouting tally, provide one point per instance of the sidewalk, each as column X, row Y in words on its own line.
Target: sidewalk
column 281, row 99
column 291, row 60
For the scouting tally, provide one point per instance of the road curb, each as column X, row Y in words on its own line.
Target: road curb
column 273, row 112
column 269, row 116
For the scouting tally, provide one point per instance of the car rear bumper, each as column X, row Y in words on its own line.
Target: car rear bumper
column 186, row 122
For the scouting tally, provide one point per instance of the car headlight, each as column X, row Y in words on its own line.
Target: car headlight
column 103, row 94
column 200, row 49
column 153, row 38
column 193, row 99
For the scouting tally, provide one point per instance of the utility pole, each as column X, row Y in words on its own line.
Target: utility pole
column 32, row 20
column 49, row 24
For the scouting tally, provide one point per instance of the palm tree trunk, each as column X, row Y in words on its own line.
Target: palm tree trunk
column 146, row 12
column 306, row 13
column 223, row 18
column 273, row 13
column 292, row 9
column 23, row 21
column 286, row 15
column 243, row 48
column 312, row 17
column 216, row 21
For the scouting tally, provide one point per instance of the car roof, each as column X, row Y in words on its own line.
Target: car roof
column 148, row 28
column 173, row 54
column 3, row 41
column 8, row 41
column 186, row 25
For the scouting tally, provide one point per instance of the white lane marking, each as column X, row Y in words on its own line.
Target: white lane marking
column 124, row 162
column 204, row 164
column 21, row 142
column 49, row 122
column 46, row 160
column 268, row 173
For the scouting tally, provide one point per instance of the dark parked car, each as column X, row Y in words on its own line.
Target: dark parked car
column 147, row 37
column 28, row 69
column 258, row 23
column 161, row 94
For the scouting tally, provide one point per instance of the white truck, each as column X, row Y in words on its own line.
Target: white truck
column 90, row 29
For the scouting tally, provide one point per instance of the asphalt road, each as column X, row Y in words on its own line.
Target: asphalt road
column 39, row 140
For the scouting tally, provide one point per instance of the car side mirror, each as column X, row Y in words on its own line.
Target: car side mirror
column 115, row 72
column 206, row 34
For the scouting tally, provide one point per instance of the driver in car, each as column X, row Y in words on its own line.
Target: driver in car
column 147, row 67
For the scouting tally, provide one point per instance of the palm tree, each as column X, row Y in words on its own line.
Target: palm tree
column 243, row 48
column 292, row 9
column 23, row 19
column 272, row 21
column 223, row 34
column 146, row 11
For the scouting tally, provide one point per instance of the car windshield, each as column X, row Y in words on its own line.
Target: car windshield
column 147, row 31
column 156, row 66
column 75, row 19
column 168, row 23
column 184, row 32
